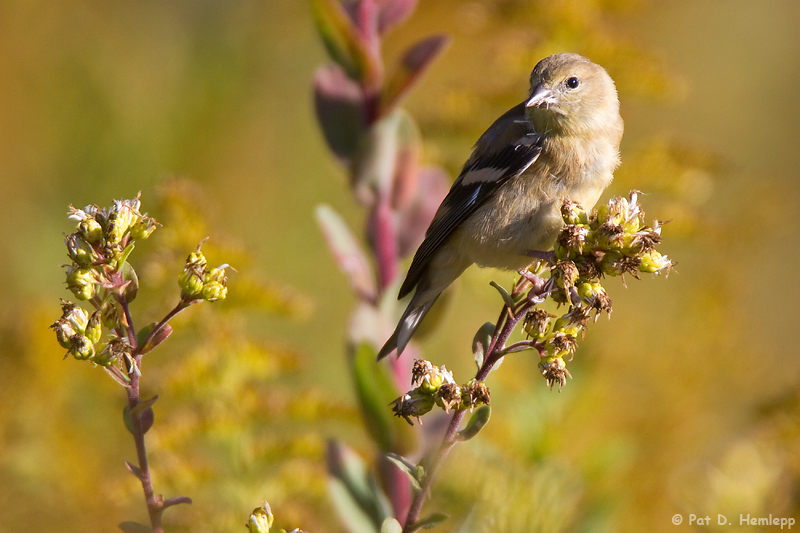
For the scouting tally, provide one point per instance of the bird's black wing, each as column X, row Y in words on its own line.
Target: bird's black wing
column 504, row 151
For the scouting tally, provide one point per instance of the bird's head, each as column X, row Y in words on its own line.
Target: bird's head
column 570, row 95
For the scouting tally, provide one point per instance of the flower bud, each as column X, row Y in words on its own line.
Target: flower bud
column 215, row 284
column 143, row 228
column 80, row 251
column 91, row 230
column 654, row 262
column 110, row 315
column 64, row 331
column 190, row 282
column 81, row 347
column 573, row 213
column 116, row 348
column 81, row 282
column 94, row 328
column 260, row 519
column 76, row 316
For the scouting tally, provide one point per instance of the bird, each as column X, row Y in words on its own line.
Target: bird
column 561, row 142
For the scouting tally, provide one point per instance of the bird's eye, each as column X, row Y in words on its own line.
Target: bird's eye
column 573, row 82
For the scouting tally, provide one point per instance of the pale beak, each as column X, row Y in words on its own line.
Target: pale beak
column 540, row 96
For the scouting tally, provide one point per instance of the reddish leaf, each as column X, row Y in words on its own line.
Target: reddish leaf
column 339, row 103
column 347, row 252
column 417, row 216
column 344, row 43
column 393, row 12
column 415, row 61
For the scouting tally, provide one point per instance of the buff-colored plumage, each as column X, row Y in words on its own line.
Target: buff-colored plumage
column 563, row 141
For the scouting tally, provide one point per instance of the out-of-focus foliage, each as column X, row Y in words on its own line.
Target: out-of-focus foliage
column 694, row 411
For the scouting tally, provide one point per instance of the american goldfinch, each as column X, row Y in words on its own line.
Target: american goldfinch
column 562, row 141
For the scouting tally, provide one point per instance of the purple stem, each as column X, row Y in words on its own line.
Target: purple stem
column 506, row 323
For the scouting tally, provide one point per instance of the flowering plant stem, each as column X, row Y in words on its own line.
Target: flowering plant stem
column 155, row 503
column 537, row 290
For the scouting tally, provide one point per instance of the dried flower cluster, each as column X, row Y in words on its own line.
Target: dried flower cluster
column 435, row 386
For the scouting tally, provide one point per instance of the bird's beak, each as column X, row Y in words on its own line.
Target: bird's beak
column 541, row 95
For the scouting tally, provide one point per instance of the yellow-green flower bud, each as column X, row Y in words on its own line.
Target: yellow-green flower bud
column 116, row 348
column 94, row 328
column 81, row 282
column 80, row 251
column 143, row 228
column 81, row 347
column 191, row 282
column 114, row 231
column 215, row 284
column 110, row 315
column 614, row 263
column 573, row 213
column 260, row 519
column 214, row 291
column 91, row 230
column 197, row 259
column 654, row 262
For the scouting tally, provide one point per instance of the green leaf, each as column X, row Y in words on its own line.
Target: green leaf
column 415, row 472
column 476, row 422
column 135, row 527
column 343, row 42
column 481, row 341
column 357, row 496
column 124, row 257
column 504, row 293
column 413, row 64
column 346, row 251
column 129, row 275
column 375, row 390
column 144, row 410
column 430, row 521
column 390, row 525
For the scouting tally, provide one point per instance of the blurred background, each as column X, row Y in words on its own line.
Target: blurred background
column 685, row 402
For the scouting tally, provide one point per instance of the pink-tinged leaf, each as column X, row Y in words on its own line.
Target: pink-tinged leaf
column 135, row 527
column 347, row 252
column 411, row 67
column 375, row 166
column 344, row 42
column 162, row 334
column 417, row 216
column 176, row 501
column 339, row 103
column 394, row 12
column 406, row 167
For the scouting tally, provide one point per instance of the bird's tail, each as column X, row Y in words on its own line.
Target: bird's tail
column 409, row 322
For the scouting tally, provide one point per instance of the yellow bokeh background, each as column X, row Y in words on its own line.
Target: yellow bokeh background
column 685, row 402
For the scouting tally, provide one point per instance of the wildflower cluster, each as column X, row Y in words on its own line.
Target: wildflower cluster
column 436, row 386
column 611, row 241
column 101, row 275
